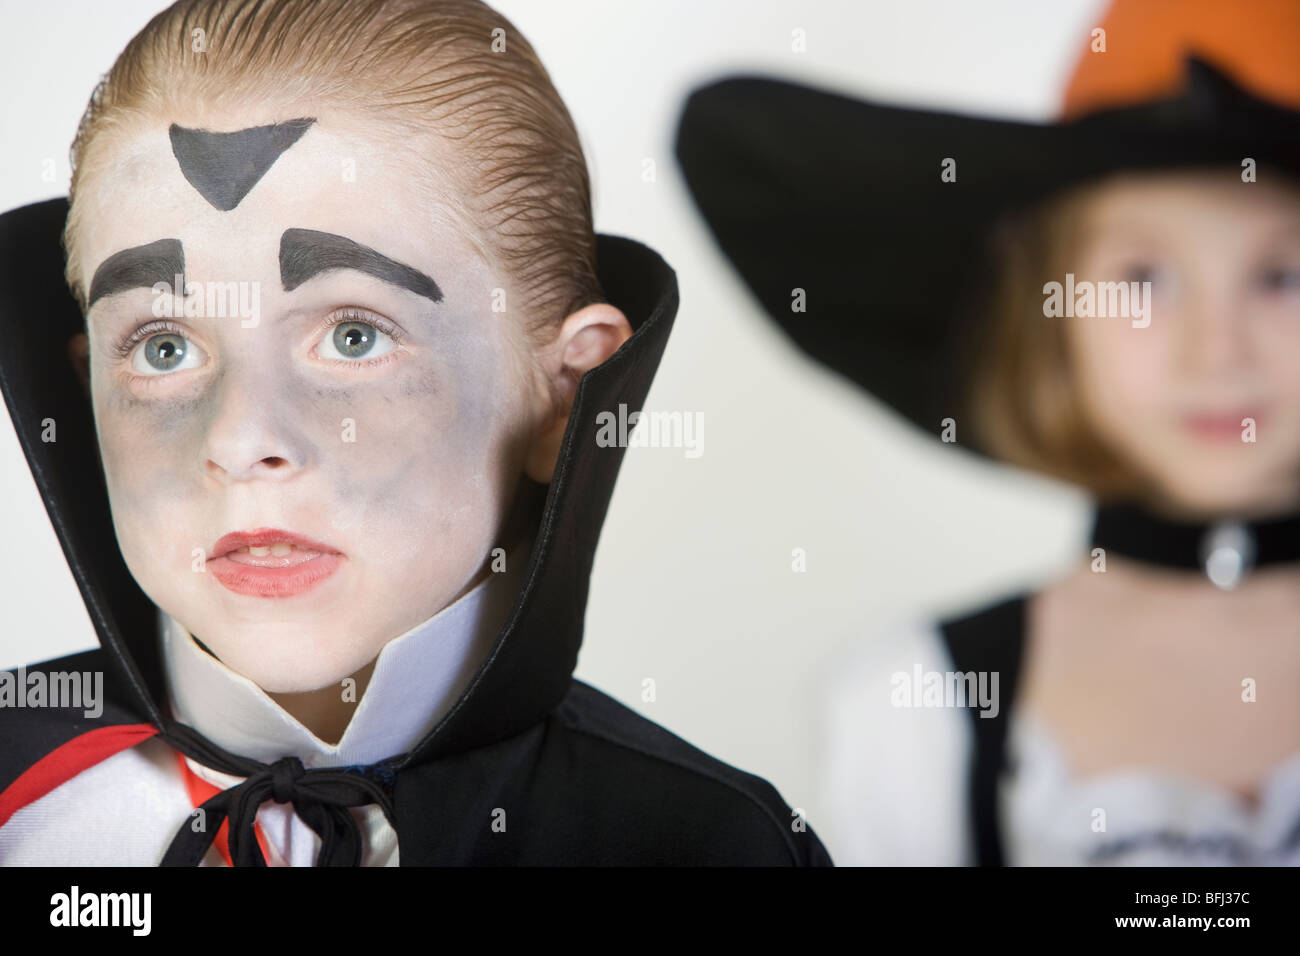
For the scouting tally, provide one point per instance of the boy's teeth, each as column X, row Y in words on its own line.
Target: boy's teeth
column 280, row 549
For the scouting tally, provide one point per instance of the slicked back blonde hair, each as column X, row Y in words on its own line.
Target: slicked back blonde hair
column 419, row 66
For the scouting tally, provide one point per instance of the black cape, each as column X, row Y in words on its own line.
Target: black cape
column 582, row 778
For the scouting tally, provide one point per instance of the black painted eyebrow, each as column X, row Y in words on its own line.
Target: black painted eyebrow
column 139, row 266
column 305, row 253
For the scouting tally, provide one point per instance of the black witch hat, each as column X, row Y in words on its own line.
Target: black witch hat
column 864, row 229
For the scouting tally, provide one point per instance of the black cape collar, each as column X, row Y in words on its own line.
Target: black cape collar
column 529, row 668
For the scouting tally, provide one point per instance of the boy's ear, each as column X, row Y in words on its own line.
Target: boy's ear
column 586, row 339
column 79, row 355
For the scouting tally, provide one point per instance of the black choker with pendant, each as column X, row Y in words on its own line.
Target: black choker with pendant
column 1224, row 551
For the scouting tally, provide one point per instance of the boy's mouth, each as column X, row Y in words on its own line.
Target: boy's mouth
column 278, row 555
column 270, row 562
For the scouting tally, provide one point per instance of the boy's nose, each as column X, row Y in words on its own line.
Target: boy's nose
column 253, row 433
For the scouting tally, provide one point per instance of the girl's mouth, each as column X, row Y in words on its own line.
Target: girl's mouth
column 269, row 562
column 1219, row 427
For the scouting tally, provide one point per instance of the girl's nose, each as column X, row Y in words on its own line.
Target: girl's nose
column 1215, row 338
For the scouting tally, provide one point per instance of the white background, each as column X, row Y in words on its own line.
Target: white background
column 693, row 584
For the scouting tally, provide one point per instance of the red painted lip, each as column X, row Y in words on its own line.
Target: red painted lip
column 261, row 537
column 310, row 563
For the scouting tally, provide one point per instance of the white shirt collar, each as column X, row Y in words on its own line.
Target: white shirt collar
column 416, row 680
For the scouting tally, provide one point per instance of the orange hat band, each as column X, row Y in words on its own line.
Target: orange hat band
column 1139, row 51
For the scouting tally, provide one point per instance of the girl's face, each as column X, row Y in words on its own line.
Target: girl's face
column 1205, row 399
column 358, row 390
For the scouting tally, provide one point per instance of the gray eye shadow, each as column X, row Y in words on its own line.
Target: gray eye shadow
column 224, row 167
column 139, row 266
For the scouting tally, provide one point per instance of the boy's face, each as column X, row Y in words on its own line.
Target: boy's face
column 1222, row 344
column 380, row 407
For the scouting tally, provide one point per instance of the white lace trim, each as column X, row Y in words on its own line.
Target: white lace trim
column 1051, row 816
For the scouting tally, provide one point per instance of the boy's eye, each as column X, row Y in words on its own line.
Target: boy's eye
column 166, row 352
column 355, row 340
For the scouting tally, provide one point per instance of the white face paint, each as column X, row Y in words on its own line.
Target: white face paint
column 402, row 453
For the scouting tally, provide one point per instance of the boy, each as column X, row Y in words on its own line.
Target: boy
column 353, row 519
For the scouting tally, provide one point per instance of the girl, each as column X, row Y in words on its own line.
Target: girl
column 1113, row 300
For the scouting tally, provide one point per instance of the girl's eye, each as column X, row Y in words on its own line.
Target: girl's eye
column 1143, row 272
column 1281, row 280
column 164, row 353
column 356, row 340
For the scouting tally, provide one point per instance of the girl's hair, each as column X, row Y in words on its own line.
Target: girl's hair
column 451, row 67
column 1023, row 392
